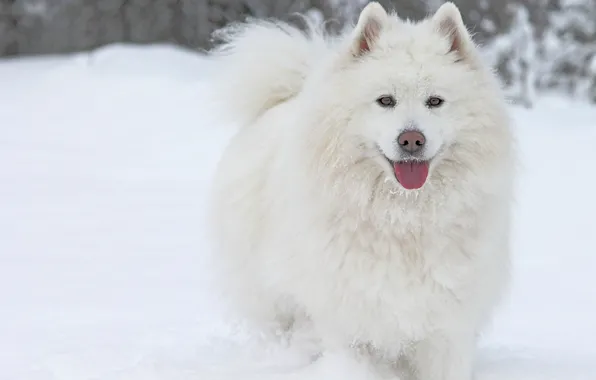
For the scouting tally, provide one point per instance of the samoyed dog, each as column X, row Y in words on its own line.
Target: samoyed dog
column 367, row 193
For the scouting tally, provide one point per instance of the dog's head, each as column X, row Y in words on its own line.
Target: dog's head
column 413, row 94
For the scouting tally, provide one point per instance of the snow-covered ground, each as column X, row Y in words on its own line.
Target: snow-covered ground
column 105, row 163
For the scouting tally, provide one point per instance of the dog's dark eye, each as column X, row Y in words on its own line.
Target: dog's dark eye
column 434, row 102
column 386, row 101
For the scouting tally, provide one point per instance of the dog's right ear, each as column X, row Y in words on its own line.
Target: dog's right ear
column 371, row 22
column 449, row 23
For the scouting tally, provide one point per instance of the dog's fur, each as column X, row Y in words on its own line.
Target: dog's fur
column 309, row 218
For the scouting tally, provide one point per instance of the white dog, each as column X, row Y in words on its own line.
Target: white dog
column 368, row 190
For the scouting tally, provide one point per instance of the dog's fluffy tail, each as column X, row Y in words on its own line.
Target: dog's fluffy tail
column 260, row 64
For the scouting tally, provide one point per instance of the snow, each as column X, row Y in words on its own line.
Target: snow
column 105, row 163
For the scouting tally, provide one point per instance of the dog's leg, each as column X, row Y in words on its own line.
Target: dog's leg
column 444, row 356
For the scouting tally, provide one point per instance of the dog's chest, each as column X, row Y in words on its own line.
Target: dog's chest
column 385, row 285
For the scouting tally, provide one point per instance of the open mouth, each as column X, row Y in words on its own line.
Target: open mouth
column 411, row 174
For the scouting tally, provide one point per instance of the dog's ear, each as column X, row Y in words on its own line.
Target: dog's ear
column 449, row 23
column 370, row 24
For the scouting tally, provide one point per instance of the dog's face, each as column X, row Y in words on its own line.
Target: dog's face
column 412, row 90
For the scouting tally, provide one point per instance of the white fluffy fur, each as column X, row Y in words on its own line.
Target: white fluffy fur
column 310, row 223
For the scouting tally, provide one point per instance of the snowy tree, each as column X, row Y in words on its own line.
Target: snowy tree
column 514, row 53
column 56, row 26
column 569, row 47
column 8, row 30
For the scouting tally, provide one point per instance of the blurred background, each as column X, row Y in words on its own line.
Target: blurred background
column 536, row 45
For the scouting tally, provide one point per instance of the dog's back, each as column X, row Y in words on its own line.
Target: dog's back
column 260, row 64
column 259, row 67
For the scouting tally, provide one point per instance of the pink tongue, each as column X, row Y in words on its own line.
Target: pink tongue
column 411, row 175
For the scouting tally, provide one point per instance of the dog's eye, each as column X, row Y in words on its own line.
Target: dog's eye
column 386, row 101
column 434, row 102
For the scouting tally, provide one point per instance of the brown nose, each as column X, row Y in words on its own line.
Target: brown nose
column 411, row 141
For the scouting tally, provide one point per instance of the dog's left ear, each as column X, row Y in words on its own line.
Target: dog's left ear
column 450, row 24
column 371, row 22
